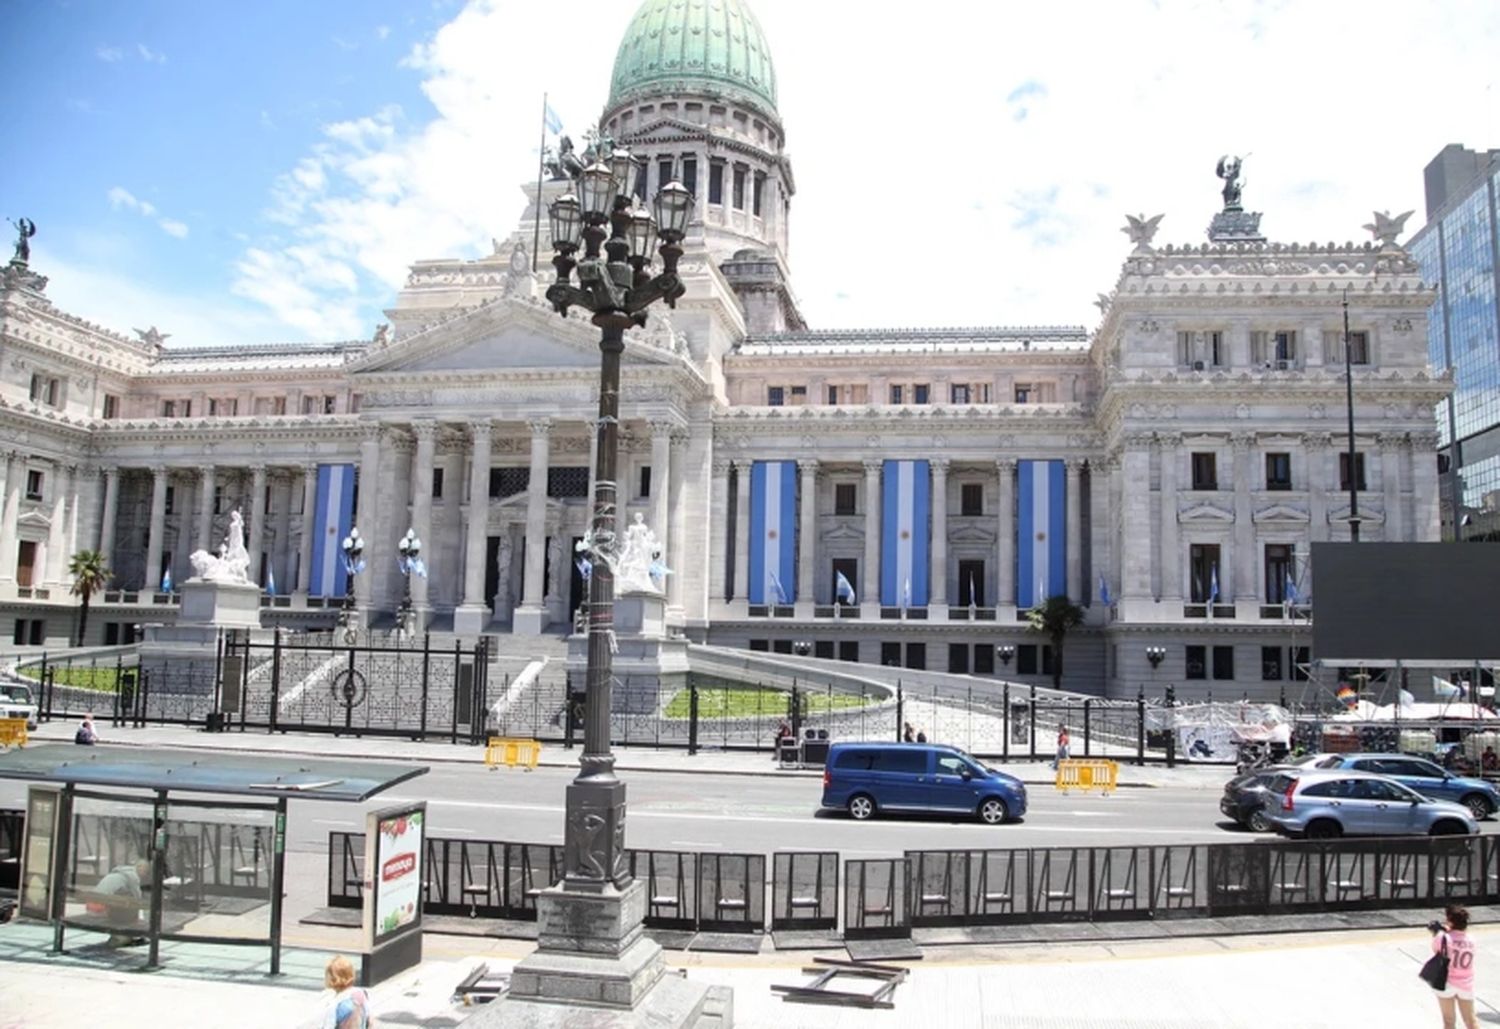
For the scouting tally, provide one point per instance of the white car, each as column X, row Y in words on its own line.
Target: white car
column 17, row 701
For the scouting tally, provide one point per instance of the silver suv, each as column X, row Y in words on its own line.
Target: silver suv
column 1323, row 804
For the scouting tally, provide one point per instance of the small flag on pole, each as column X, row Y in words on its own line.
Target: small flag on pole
column 271, row 580
column 166, row 580
column 585, row 568
column 553, row 122
column 775, row 588
column 1291, row 591
column 906, row 592
column 843, row 588
column 1213, row 586
column 1104, row 597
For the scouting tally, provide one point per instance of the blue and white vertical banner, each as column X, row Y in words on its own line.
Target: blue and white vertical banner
column 905, row 532
column 1041, row 532
column 773, row 532
column 332, row 519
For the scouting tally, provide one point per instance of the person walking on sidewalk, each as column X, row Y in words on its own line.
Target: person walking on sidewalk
column 1063, row 746
column 1452, row 937
column 350, row 1007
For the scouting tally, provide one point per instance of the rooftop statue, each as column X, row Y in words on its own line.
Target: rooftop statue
column 25, row 229
column 1385, row 229
column 232, row 565
column 151, row 337
column 1141, row 230
column 1229, row 171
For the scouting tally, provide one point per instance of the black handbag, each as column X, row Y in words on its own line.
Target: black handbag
column 1435, row 972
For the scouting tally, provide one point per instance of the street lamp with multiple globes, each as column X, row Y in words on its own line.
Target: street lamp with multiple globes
column 353, row 547
column 408, row 558
column 618, row 238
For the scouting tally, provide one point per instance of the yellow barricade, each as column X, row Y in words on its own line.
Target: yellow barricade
column 12, row 732
column 512, row 753
column 1087, row 774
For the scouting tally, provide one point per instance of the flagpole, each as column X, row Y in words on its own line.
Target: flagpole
column 541, row 169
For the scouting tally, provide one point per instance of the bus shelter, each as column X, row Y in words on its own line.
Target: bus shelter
column 169, row 845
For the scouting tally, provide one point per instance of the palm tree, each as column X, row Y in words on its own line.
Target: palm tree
column 90, row 575
column 1054, row 617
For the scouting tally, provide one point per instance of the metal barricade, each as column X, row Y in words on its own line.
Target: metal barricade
column 512, row 753
column 1180, row 888
column 346, row 869
column 1238, row 879
column 732, row 892
column 1059, row 884
column 1120, row 882
column 671, row 878
column 804, row 890
column 1087, row 774
column 529, row 869
column 875, row 898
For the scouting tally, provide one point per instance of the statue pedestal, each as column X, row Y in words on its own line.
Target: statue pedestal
column 1235, row 227
column 649, row 665
column 593, row 966
column 183, row 658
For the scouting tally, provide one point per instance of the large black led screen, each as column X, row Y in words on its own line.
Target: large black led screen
column 1406, row 601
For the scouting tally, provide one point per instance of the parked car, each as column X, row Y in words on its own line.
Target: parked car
column 866, row 779
column 1480, row 797
column 17, row 701
column 1245, row 795
column 1325, row 803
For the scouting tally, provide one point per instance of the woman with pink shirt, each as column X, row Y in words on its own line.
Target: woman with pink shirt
column 1460, row 948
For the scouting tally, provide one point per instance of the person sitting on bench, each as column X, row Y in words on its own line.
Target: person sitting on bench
column 118, row 897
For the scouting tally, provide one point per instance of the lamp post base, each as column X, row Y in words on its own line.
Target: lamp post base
column 593, row 957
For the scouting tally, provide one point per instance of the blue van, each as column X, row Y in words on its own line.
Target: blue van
column 867, row 778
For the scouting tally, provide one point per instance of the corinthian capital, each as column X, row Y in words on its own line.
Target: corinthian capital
column 540, row 428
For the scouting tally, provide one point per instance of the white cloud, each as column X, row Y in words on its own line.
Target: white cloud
column 150, row 56
column 122, row 199
column 109, row 54
column 1014, row 145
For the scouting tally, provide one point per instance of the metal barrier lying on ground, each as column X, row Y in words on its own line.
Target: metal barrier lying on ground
column 512, row 753
column 1087, row 774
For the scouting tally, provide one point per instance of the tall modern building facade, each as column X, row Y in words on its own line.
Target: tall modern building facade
column 1458, row 251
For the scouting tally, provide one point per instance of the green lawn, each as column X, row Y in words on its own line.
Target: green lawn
column 743, row 701
column 101, row 678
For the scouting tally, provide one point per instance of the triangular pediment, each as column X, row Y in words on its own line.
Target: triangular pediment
column 1340, row 515
column 971, row 534
column 844, row 531
column 510, row 348
column 1281, row 513
column 1202, row 512
column 34, row 520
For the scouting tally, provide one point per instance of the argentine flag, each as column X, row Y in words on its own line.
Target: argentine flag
column 166, row 580
column 843, row 589
column 773, row 532
column 904, row 534
column 332, row 518
column 1041, row 532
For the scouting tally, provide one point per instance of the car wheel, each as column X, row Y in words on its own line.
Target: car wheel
column 1479, row 806
column 861, row 807
column 1324, row 829
column 992, row 811
column 1258, row 822
column 1448, row 827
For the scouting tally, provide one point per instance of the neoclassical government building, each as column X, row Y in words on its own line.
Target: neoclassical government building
column 886, row 494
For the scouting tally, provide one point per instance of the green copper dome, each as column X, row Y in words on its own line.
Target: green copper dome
column 712, row 43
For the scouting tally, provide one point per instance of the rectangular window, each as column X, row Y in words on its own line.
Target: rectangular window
column 690, row 174
column 833, row 394
column 919, row 394
column 25, row 562
column 1359, row 348
column 971, row 583
column 170, row 501
column 781, row 646
column 44, row 389
column 111, row 406
column 775, row 396
column 1223, row 663
column 958, row 394
column 958, row 658
column 890, row 655
column 309, row 405
column 849, row 650
column 823, row 649
column 716, row 182
column 34, row 482
column 1205, row 470
column 218, row 500
column 507, row 482
column 739, row 188
column 663, row 171
column 971, row 499
column 760, row 645
column 328, row 404
column 1216, row 349
column 1203, row 566
column 984, row 659
column 896, row 395
column 645, row 490
column 1026, row 659
column 1023, row 392
column 1278, row 471
column 1195, row 662
column 1270, row 664
column 1359, row 471
column 278, row 405
column 169, row 409
column 798, row 395
column 437, row 484
column 1286, row 348
column 213, row 407
column 1278, row 571
column 1297, row 662
column 843, row 498
column 760, row 187
column 38, row 387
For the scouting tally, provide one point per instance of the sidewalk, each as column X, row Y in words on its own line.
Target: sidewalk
column 1313, row 981
column 627, row 759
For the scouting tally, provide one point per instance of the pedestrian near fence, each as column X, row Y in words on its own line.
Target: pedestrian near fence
column 1450, row 971
column 1064, row 746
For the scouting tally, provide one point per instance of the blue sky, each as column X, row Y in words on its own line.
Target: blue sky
column 239, row 173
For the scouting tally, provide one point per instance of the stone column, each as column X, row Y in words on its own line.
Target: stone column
column 1135, row 477
column 1246, row 586
column 1390, row 484
column 719, row 541
column 255, row 537
column 367, row 512
column 10, row 503
column 1005, row 533
column 204, row 536
column 85, row 488
column 807, row 537
column 473, row 614
column 309, row 519
column 1073, row 529
column 937, row 593
column 56, row 570
column 661, row 465
column 869, row 593
column 531, row 617
column 1316, row 446
column 425, row 430
column 742, row 531
column 107, row 519
column 1424, row 488
column 157, row 532
column 1168, row 445
column 676, row 555
column 281, row 492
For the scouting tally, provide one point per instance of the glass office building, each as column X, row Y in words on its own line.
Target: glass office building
column 1459, row 252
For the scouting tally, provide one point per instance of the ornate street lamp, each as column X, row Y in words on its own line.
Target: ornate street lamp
column 1156, row 655
column 1005, row 652
column 802, row 648
column 353, row 547
column 614, row 282
column 409, row 560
